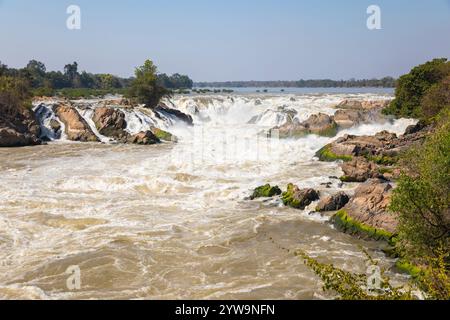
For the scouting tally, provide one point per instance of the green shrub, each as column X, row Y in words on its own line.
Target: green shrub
column 412, row 87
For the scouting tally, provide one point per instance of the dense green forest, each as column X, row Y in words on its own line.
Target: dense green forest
column 387, row 82
column 73, row 82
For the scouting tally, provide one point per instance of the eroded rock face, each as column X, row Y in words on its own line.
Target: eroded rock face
column 143, row 138
column 299, row 198
column 110, row 122
column 320, row 124
column 370, row 203
column 363, row 104
column 333, row 203
column 359, row 169
column 18, row 127
column 349, row 118
column 76, row 127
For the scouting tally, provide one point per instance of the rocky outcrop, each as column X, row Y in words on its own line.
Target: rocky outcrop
column 76, row 127
column 363, row 104
column 367, row 212
column 320, row 124
column 164, row 109
column 299, row 198
column 143, row 138
column 333, row 203
column 110, row 122
column 18, row 127
column 349, row 118
column 359, row 169
column 265, row 191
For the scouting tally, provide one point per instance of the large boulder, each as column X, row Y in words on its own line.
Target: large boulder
column 143, row 138
column 76, row 127
column 363, row 104
column 110, row 122
column 333, row 202
column 367, row 212
column 320, row 124
column 18, row 127
column 359, row 169
column 349, row 118
column 299, row 198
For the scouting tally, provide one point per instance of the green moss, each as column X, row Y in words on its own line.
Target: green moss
column 289, row 199
column 384, row 170
column 409, row 268
column 265, row 191
column 325, row 154
column 349, row 225
column 382, row 160
column 163, row 135
column 347, row 179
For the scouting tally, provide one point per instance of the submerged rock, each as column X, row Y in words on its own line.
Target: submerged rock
column 332, row 203
column 164, row 109
column 76, row 127
column 299, row 198
column 265, row 191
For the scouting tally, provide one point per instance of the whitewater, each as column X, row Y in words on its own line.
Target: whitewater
column 172, row 221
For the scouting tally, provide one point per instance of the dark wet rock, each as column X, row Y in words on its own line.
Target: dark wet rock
column 164, row 109
column 265, row 191
column 299, row 198
column 333, row 203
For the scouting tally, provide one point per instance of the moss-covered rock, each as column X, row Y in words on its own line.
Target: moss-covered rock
column 405, row 266
column 325, row 154
column 265, row 191
column 163, row 135
column 347, row 224
column 299, row 199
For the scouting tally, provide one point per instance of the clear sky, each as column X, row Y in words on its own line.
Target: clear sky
column 213, row 40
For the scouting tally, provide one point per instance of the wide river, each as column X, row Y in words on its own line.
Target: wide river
column 172, row 221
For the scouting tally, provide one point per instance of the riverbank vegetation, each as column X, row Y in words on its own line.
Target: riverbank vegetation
column 421, row 199
column 73, row 84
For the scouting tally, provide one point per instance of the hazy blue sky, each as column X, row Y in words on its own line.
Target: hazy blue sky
column 213, row 40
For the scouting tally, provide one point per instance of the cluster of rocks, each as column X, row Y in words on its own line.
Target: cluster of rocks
column 22, row 127
column 350, row 113
column 18, row 127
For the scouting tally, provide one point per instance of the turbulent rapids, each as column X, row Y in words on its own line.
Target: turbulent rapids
column 173, row 220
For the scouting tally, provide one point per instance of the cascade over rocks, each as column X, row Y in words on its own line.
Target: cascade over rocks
column 76, row 127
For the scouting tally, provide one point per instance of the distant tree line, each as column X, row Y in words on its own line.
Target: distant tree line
column 71, row 78
column 386, row 82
